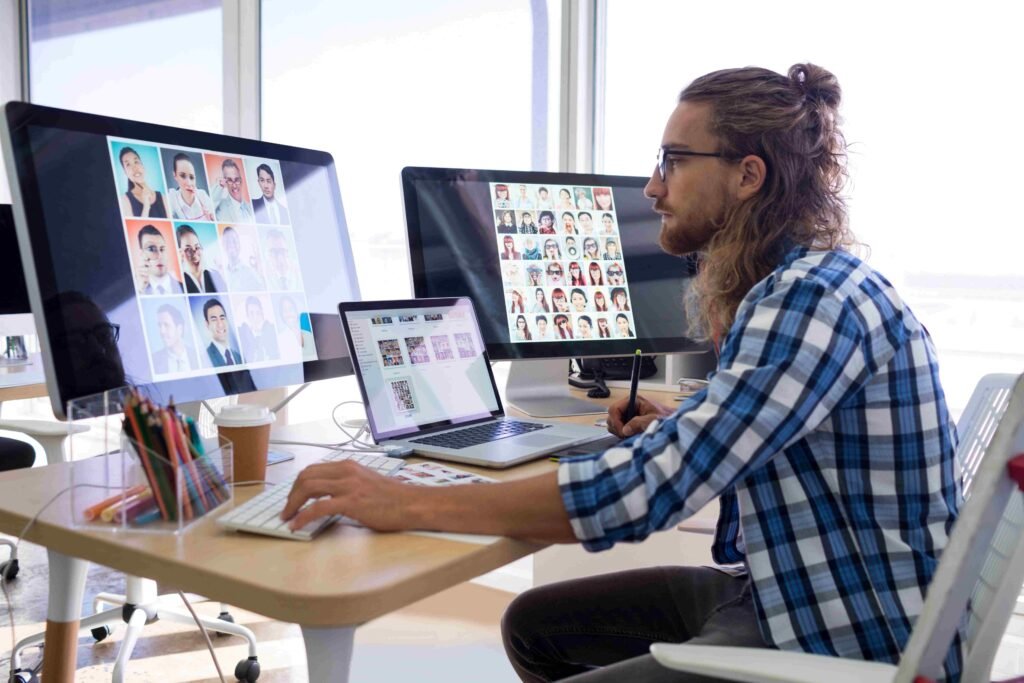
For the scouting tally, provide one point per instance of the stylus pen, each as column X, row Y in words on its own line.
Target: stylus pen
column 634, row 378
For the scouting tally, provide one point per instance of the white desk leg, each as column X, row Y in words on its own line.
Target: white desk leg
column 328, row 652
column 67, row 585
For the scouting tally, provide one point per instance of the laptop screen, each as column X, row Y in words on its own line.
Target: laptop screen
column 421, row 364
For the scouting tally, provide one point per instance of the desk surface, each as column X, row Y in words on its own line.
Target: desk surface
column 22, row 381
column 346, row 576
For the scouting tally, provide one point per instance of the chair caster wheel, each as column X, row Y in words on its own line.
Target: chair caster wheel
column 224, row 616
column 100, row 633
column 23, row 676
column 248, row 670
column 9, row 570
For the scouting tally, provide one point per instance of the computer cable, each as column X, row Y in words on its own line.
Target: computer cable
column 354, row 444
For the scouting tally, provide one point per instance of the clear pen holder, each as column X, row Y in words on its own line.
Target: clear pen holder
column 163, row 486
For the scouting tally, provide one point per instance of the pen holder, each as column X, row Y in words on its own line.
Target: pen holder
column 162, row 487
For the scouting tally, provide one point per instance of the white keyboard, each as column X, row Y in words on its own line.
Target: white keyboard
column 261, row 514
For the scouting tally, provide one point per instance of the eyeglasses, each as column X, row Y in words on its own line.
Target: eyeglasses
column 189, row 251
column 105, row 334
column 665, row 153
column 233, row 181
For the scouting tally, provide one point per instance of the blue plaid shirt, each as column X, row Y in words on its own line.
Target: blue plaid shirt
column 825, row 433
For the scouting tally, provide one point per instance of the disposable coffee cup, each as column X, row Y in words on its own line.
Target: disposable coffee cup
column 247, row 428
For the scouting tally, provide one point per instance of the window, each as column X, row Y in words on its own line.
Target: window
column 931, row 133
column 152, row 60
column 459, row 83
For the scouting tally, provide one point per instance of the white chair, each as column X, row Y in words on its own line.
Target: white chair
column 140, row 594
column 981, row 570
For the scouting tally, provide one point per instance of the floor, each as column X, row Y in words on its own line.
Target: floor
column 453, row 636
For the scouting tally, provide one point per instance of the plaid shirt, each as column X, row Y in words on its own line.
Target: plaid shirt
column 825, row 433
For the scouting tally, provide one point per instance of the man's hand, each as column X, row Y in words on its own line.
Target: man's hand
column 142, row 274
column 352, row 490
column 646, row 412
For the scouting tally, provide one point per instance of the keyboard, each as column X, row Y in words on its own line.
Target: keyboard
column 485, row 433
column 261, row 514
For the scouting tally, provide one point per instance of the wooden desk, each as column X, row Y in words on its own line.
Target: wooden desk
column 22, row 381
column 328, row 586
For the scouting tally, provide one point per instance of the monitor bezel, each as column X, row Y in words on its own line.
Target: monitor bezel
column 395, row 304
column 37, row 255
column 534, row 350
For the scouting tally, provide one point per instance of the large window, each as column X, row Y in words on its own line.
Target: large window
column 460, row 83
column 933, row 151
column 153, row 60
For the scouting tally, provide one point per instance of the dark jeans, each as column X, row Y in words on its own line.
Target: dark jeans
column 601, row 628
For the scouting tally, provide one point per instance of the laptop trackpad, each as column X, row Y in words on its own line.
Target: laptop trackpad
column 538, row 441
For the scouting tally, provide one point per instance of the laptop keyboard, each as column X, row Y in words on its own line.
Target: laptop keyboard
column 485, row 433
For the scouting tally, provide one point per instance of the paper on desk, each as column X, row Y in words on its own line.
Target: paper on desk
column 436, row 474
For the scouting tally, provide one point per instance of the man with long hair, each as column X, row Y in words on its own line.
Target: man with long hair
column 823, row 431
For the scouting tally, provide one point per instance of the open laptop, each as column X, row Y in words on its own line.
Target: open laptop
column 427, row 384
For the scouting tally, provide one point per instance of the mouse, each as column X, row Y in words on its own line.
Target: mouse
column 395, row 450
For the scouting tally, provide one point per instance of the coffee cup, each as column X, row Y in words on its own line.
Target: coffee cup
column 247, row 428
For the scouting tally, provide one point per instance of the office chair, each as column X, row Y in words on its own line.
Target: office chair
column 979, row 574
column 14, row 455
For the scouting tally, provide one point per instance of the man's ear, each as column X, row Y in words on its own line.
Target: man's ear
column 752, row 175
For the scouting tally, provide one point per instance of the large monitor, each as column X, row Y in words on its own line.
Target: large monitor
column 559, row 265
column 189, row 264
column 15, row 312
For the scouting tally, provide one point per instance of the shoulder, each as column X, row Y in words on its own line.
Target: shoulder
column 830, row 288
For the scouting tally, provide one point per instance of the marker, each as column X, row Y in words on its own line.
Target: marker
column 634, row 378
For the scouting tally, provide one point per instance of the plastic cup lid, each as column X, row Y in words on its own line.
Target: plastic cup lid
column 244, row 415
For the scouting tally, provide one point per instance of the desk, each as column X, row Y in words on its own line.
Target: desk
column 329, row 586
column 22, row 381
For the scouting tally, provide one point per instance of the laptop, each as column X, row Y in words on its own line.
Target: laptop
column 427, row 384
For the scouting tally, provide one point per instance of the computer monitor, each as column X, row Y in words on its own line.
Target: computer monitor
column 559, row 265
column 189, row 264
column 15, row 314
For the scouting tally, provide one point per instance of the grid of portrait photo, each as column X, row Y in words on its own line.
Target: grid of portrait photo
column 562, row 267
column 212, row 251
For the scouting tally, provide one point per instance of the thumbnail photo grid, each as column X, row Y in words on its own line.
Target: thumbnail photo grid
column 561, row 261
column 212, row 251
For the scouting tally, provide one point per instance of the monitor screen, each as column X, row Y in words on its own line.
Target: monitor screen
column 557, row 264
column 194, row 265
column 421, row 364
column 14, row 300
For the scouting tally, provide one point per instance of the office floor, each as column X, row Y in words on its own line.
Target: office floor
column 453, row 636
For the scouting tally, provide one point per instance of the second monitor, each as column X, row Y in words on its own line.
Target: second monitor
column 560, row 265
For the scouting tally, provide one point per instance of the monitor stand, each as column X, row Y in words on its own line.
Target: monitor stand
column 540, row 388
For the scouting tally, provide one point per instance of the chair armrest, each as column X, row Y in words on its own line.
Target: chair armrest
column 762, row 665
column 42, row 427
column 697, row 526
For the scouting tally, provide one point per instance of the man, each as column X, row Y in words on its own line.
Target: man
column 152, row 274
column 241, row 276
column 824, row 430
column 175, row 356
column 229, row 202
column 267, row 207
column 280, row 271
column 544, row 199
column 198, row 278
column 220, row 351
column 259, row 336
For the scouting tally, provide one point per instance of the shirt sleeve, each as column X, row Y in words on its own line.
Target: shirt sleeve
column 790, row 358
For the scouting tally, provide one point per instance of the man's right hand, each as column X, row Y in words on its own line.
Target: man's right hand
column 142, row 273
column 646, row 412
